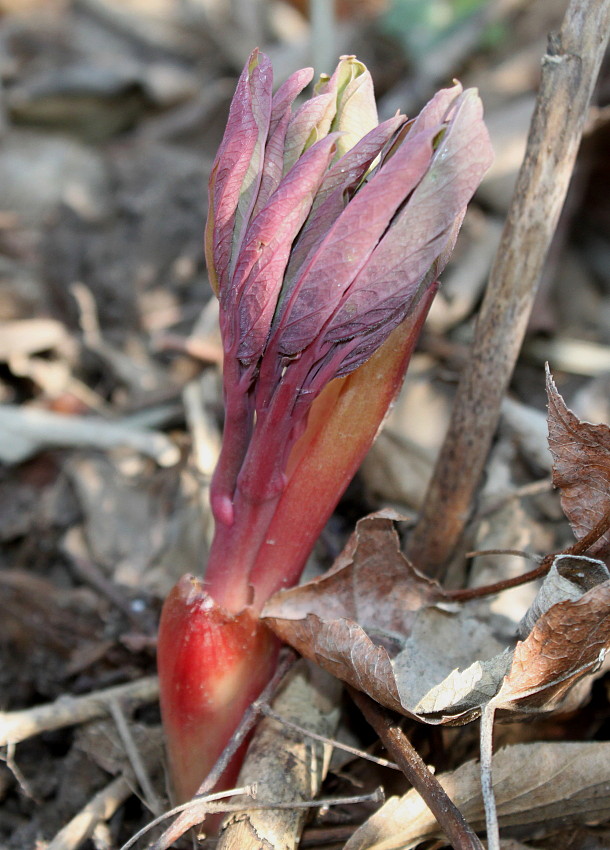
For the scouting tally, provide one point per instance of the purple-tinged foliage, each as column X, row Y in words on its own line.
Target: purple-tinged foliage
column 325, row 237
column 281, row 113
column 265, row 250
column 237, row 172
column 316, row 267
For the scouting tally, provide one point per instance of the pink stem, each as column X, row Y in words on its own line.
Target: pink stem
column 342, row 426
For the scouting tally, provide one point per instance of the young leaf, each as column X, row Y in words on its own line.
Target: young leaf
column 310, row 123
column 338, row 185
column 281, row 112
column 237, row 170
column 348, row 245
column 439, row 109
column 341, row 425
column 356, row 108
column 254, row 290
column 424, row 229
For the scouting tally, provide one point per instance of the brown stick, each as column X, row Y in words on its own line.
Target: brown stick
column 98, row 810
column 337, row 745
column 414, row 768
column 569, row 72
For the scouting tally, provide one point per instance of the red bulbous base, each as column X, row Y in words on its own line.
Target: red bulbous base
column 212, row 665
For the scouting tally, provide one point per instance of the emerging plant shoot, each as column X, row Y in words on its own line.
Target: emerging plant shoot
column 326, row 234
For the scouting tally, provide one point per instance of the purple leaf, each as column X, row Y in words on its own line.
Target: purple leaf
column 285, row 96
column 346, row 248
column 360, row 348
column 424, row 232
column 437, row 109
column 281, row 113
column 258, row 277
column 309, row 123
column 339, row 183
column 237, row 170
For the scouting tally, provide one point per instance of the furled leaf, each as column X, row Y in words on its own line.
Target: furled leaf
column 255, row 286
column 310, row 123
column 237, row 170
column 339, row 184
column 356, row 108
column 371, row 270
column 281, row 112
column 424, row 229
column 437, row 109
column 541, row 786
column 344, row 103
column 349, row 244
column 581, row 468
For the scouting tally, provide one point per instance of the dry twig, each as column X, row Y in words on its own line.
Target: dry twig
column 337, row 745
column 26, row 431
column 16, row 726
column 133, row 754
column 99, row 809
column 578, row 548
column 293, row 765
column 414, row 768
column 569, row 72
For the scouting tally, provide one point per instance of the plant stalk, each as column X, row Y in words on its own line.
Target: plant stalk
column 569, row 71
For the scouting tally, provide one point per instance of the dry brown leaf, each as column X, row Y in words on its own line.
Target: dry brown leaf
column 581, row 468
column 377, row 623
column 540, row 786
column 568, row 642
column 356, row 617
column 569, row 577
column 381, row 626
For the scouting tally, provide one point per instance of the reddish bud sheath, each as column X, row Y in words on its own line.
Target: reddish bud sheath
column 212, row 666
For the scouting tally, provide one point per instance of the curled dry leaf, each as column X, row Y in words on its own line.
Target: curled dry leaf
column 541, row 785
column 377, row 623
column 380, row 625
column 356, row 618
column 567, row 642
column 581, row 468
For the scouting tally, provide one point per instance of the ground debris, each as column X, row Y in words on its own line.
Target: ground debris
column 111, row 411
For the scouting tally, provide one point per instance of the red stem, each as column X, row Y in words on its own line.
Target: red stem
column 234, row 550
column 236, row 436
